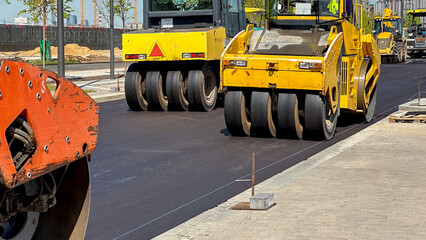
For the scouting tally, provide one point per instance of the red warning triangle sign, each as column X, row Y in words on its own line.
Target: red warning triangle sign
column 156, row 51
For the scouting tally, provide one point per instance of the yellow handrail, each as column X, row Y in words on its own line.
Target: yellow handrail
column 360, row 28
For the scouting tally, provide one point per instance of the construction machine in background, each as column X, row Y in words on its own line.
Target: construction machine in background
column 293, row 79
column 48, row 130
column 416, row 42
column 391, row 42
column 177, row 54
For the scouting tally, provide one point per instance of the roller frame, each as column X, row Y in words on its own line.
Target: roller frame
column 69, row 113
column 64, row 126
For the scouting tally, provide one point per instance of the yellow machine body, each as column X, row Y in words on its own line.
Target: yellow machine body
column 172, row 45
column 283, row 72
column 385, row 43
column 388, row 33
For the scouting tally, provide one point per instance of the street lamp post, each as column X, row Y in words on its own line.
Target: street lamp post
column 111, row 28
column 60, row 32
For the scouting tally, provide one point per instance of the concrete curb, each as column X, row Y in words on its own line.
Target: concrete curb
column 109, row 97
column 91, row 78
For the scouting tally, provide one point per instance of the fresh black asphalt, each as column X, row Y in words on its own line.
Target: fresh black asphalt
column 152, row 171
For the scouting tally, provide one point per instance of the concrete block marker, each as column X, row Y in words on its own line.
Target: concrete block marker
column 414, row 105
column 411, row 112
column 262, row 201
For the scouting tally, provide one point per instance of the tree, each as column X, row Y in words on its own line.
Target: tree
column 121, row 10
column 254, row 3
column 38, row 10
column 368, row 20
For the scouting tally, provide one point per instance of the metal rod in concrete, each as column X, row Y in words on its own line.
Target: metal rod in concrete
column 111, row 26
column 60, row 33
column 252, row 174
column 418, row 98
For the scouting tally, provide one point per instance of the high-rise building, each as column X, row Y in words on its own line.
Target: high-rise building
column 53, row 19
column 73, row 20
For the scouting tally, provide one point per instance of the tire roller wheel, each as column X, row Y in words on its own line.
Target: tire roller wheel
column 202, row 89
column 154, row 91
column 237, row 114
column 176, row 90
column 320, row 122
column 369, row 110
column 135, row 90
column 69, row 216
column 262, row 123
column 288, row 121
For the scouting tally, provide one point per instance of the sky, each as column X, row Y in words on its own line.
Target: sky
column 9, row 11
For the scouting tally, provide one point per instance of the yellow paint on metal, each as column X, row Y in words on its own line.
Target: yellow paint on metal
column 417, row 12
column 253, row 10
column 298, row 18
column 273, row 79
column 282, row 72
column 387, row 12
column 385, row 49
column 174, row 43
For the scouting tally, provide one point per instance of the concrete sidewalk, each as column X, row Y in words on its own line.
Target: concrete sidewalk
column 103, row 90
column 93, row 74
column 97, row 84
column 370, row 186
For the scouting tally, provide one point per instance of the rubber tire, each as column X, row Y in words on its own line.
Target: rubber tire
column 237, row 115
column 262, row 123
column 397, row 53
column 315, row 117
column 134, row 89
column 176, row 91
column 197, row 97
column 288, row 121
column 154, row 91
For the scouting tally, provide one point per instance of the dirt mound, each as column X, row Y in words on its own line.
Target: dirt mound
column 72, row 51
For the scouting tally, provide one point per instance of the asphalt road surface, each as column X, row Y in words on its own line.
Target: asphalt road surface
column 154, row 170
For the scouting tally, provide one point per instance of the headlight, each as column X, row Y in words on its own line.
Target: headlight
column 310, row 65
column 238, row 63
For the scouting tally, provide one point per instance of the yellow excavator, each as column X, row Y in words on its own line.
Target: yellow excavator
column 294, row 78
column 389, row 36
